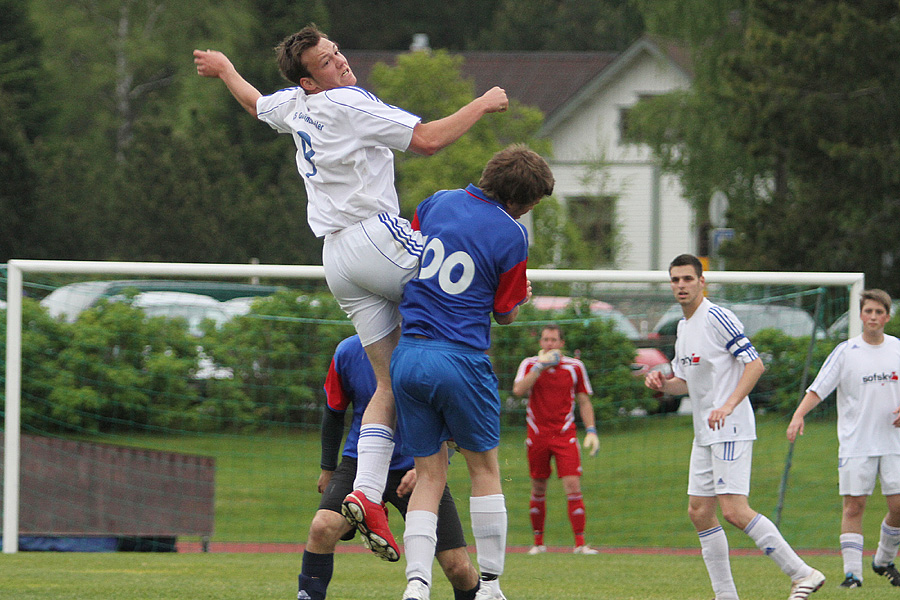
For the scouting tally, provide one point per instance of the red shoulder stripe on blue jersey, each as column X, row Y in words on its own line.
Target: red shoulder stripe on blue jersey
column 512, row 290
column 485, row 199
column 334, row 390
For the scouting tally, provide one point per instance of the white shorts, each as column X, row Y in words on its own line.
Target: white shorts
column 857, row 475
column 366, row 266
column 722, row 468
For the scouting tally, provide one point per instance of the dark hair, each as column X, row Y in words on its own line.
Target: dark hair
column 290, row 51
column 876, row 295
column 517, row 176
column 684, row 260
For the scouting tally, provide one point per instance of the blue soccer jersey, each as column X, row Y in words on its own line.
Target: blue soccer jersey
column 351, row 381
column 473, row 265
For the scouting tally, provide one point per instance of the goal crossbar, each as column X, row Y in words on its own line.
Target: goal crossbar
column 16, row 269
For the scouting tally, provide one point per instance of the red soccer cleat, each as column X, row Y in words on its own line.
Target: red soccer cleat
column 370, row 520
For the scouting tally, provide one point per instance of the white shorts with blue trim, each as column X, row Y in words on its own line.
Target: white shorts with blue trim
column 721, row 468
column 857, row 475
column 444, row 390
column 366, row 267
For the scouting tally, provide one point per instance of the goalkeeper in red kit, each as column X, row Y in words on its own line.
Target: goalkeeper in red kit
column 555, row 383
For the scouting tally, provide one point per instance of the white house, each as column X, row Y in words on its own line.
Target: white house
column 585, row 97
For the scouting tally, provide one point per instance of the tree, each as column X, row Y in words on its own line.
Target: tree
column 22, row 114
column 794, row 114
column 391, row 24
column 561, row 25
column 431, row 86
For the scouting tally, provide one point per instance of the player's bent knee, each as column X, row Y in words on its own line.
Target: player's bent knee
column 327, row 528
column 458, row 568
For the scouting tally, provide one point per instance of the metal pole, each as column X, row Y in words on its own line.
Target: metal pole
column 12, row 420
column 782, row 489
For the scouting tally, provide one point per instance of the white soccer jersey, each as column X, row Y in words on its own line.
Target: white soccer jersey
column 344, row 139
column 710, row 353
column 868, row 393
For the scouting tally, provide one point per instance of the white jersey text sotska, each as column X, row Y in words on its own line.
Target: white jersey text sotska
column 868, row 393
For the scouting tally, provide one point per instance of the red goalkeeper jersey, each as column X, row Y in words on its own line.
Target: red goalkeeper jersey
column 551, row 403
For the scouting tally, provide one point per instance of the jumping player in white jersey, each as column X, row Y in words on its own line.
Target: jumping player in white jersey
column 345, row 137
column 864, row 370
column 473, row 267
column 718, row 366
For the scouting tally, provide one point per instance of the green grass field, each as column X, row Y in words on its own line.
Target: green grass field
column 634, row 489
column 124, row 576
column 634, row 492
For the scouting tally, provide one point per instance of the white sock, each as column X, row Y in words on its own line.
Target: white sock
column 419, row 542
column 852, row 552
column 888, row 544
column 374, row 449
column 714, row 548
column 768, row 539
column 489, row 520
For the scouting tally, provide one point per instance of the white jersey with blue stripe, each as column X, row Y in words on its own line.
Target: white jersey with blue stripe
column 710, row 353
column 867, row 379
column 344, row 138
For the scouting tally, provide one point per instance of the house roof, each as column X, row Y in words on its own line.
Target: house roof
column 554, row 82
column 546, row 80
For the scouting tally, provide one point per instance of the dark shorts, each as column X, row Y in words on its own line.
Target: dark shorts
column 449, row 528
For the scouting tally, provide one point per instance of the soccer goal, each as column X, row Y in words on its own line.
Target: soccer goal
column 188, row 362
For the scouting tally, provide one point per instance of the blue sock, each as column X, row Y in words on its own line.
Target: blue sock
column 315, row 575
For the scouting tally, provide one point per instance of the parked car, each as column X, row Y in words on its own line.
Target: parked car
column 841, row 326
column 790, row 320
column 68, row 301
column 193, row 308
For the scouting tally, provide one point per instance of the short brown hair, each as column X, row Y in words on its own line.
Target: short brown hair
column 684, row 260
column 517, row 176
column 289, row 52
column 876, row 295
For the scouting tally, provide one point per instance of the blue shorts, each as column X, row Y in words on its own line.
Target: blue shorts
column 444, row 390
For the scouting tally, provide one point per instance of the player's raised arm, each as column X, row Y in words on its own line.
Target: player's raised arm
column 212, row 63
column 430, row 137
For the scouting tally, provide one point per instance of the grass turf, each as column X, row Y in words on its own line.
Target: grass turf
column 634, row 492
column 123, row 576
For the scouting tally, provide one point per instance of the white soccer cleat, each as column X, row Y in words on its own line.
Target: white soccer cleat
column 585, row 550
column 537, row 550
column 486, row 593
column 802, row 588
column 416, row 590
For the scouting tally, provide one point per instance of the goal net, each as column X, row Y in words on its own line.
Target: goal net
column 183, row 401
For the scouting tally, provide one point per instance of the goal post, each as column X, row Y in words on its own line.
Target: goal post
column 16, row 269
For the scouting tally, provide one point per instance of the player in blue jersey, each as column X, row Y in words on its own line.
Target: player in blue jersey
column 473, row 267
column 345, row 138
column 349, row 385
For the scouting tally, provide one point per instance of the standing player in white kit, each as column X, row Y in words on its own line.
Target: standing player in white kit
column 345, row 137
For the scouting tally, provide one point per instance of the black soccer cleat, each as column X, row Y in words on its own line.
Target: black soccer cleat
column 889, row 571
column 851, row 582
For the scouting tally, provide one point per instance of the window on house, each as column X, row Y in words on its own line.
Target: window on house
column 624, row 112
column 595, row 219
